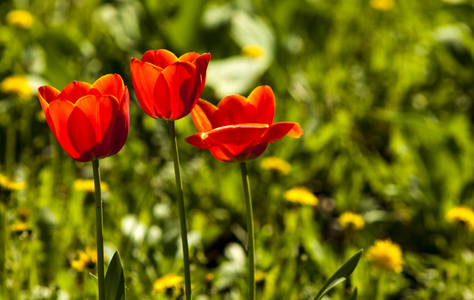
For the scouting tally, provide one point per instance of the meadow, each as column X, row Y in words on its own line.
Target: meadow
column 383, row 90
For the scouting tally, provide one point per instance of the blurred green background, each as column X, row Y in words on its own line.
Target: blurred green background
column 382, row 88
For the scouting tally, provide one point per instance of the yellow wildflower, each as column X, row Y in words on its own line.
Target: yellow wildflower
column 253, row 50
column 259, row 276
column 11, row 185
column 19, row 226
column 385, row 256
column 86, row 259
column 301, row 195
column 16, row 84
column 382, row 4
column 462, row 215
column 273, row 163
column 20, row 18
column 351, row 220
column 166, row 282
column 87, row 185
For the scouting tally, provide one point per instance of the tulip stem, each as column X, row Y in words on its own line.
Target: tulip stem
column 3, row 249
column 250, row 232
column 99, row 227
column 182, row 212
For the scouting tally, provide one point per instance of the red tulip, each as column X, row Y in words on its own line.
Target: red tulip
column 239, row 128
column 168, row 87
column 89, row 121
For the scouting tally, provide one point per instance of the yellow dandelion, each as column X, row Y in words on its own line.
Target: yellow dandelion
column 4, row 181
column 253, row 51
column 382, row 4
column 461, row 215
column 11, row 185
column 385, row 256
column 16, row 84
column 87, row 185
column 301, row 195
column 259, row 276
column 20, row 18
column 350, row 220
column 166, row 282
column 273, row 163
column 20, row 226
column 86, row 259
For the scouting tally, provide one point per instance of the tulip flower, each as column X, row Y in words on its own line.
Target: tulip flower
column 239, row 129
column 89, row 121
column 168, row 87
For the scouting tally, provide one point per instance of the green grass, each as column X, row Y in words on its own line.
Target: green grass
column 385, row 102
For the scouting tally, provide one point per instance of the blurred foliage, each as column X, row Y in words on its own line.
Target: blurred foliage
column 384, row 97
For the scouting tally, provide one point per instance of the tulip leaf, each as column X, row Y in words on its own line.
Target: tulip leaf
column 354, row 295
column 96, row 280
column 342, row 274
column 114, row 279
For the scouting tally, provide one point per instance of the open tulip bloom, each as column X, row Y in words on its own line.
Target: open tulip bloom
column 168, row 87
column 239, row 129
column 90, row 122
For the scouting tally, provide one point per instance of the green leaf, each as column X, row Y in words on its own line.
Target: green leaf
column 354, row 295
column 114, row 280
column 342, row 274
column 96, row 280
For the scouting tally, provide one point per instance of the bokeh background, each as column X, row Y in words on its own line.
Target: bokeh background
column 382, row 88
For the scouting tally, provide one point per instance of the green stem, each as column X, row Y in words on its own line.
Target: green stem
column 3, row 250
column 10, row 150
column 250, row 232
column 380, row 287
column 182, row 212
column 99, row 226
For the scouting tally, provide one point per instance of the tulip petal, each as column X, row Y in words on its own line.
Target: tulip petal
column 57, row 117
column 295, row 132
column 202, row 115
column 110, row 84
column 196, row 140
column 121, row 126
column 263, row 99
column 177, row 86
column 160, row 58
column 236, row 135
column 47, row 94
column 125, row 106
column 255, row 151
column 232, row 143
column 224, row 154
column 81, row 134
column 232, row 110
column 278, row 130
column 189, row 57
column 74, row 91
column 101, row 112
column 144, row 77
column 201, row 64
